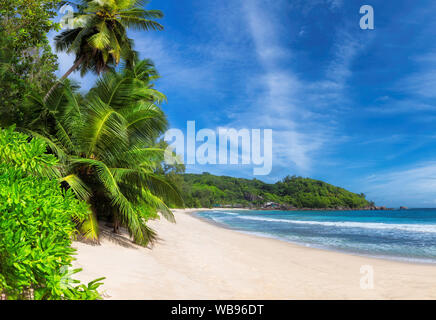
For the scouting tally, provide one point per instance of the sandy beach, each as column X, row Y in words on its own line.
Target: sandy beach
column 194, row 259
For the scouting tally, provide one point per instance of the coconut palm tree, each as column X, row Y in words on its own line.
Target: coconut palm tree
column 99, row 39
column 105, row 143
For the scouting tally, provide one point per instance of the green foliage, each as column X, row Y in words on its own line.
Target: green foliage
column 106, row 145
column 26, row 61
column 207, row 190
column 28, row 22
column 104, row 140
column 37, row 222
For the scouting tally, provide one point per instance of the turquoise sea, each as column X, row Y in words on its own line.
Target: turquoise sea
column 404, row 235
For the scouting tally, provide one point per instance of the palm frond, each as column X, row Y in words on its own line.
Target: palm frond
column 137, row 23
column 155, row 184
column 77, row 185
column 129, row 217
column 105, row 130
column 89, row 228
column 51, row 142
column 156, row 202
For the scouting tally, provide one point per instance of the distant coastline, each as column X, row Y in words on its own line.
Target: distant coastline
column 284, row 208
column 290, row 193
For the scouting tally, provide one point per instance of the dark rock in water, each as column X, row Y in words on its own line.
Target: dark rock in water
column 403, row 208
column 382, row 208
column 287, row 207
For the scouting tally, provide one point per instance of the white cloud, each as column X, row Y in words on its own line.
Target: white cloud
column 283, row 101
column 278, row 96
column 264, row 34
column 415, row 183
column 345, row 51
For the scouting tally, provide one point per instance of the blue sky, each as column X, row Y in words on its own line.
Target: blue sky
column 352, row 107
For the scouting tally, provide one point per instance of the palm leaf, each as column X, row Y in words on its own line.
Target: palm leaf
column 77, row 185
column 105, row 130
column 89, row 228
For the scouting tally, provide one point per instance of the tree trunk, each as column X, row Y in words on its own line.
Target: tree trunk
column 116, row 225
column 66, row 75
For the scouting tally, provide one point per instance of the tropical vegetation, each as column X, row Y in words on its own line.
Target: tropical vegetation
column 26, row 59
column 38, row 220
column 71, row 158
column 105, row 142
column 99, row 38
column 206, row 190
column 104, row 139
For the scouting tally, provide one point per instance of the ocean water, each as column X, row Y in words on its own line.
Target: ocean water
column 408, row 235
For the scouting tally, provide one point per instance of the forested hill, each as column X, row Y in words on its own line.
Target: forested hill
column 206, row 190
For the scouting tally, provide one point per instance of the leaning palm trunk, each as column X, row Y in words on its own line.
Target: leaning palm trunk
column 65, row 76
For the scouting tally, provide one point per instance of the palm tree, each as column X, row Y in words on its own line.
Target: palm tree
column 99, row 39
column 105, row 143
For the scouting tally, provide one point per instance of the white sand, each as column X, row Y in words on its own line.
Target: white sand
column 196, row 260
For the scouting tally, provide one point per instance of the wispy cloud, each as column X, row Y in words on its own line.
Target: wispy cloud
column 346, row 48
column 284, row 100
column 277, row 102
column 175, row 65
column 391, row 106
column 411, row 186
column 305, row 6
column 416, row 89
column 423, row 82
column 264, row 34
column 331, row 90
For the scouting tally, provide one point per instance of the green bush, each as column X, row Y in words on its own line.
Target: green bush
column 37, row 224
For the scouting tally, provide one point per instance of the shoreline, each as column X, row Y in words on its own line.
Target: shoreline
column 196, row 260
column 192, row 212
column 297, row 209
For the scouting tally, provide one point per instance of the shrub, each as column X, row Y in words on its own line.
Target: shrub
column 37, row 224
